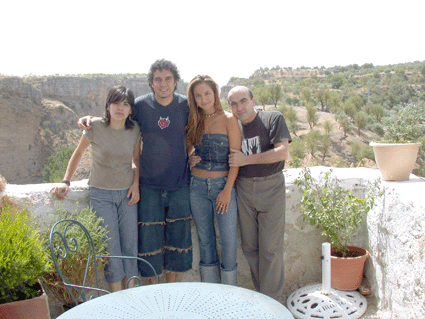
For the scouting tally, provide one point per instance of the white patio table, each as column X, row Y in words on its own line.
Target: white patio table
column 193, row 300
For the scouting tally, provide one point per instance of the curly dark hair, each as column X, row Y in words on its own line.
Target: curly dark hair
column 163, row 65
column 116, row 94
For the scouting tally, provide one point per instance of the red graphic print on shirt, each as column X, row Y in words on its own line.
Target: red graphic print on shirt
column 163, row 122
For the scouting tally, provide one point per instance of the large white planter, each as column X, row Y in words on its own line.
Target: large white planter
column 395, row 160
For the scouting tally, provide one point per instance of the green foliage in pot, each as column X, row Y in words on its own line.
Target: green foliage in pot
column 74, row 266
column 406, row 124
column 337, row 211
column 22, row 255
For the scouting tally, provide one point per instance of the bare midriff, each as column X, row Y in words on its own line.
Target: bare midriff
column 208, row 174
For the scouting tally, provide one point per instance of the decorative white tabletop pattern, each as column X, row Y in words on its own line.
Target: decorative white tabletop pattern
column 181, row 300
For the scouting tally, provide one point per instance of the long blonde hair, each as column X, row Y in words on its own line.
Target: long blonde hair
column 195, row 124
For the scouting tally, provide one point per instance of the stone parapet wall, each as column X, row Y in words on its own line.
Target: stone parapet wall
column 394, row 234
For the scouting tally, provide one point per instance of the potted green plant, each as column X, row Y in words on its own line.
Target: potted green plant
column 22, row 261
column 338, row 212
column 405, row 131
column 74, row 266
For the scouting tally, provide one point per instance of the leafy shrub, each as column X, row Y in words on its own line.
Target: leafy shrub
column 46, row 132
column 377, row 128
column 328, row 127
column 45, row 124
column 360, row 151
column 22, row 255
column 312, row 141
column 334, row 209
column 56, row 166
column 5, row 95
column 297, row 151
column 407, row 125
column 312, row 116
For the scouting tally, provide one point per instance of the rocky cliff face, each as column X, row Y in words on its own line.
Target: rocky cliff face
column 38, row 114
column 86, row 95
column 20, row 143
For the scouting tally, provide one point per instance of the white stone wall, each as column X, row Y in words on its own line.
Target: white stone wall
column 394, row 234
column 396, row 238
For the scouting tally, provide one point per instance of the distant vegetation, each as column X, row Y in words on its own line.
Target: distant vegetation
column 362, row 98
column 56, row 166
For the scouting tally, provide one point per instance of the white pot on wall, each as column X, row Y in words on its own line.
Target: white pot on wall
column 395, row 160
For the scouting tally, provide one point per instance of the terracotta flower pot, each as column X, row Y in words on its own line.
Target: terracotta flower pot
column 395, row 161
column 347, row 273
column 35, row 308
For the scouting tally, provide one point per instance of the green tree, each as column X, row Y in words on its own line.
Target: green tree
column 400, row 70
column 356, row 100
column 345, row 124
column 259, row 82
column 262, row 95
column 323, row 96
column 291, row 118
column 312, row 116
column 349, row 108
column 375, row 110
column 361, row 152
column 328, row 127
column 275, row 91
column 360, row 119
column 297, row 151
column 336, row 81
column 56, row 165
column 312, row 141
column 324, row 146
column 306, row 95
column 334, row 101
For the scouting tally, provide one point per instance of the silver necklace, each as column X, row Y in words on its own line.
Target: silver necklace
column 208, row 115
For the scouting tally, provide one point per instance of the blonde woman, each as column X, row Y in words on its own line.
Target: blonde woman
column 211, row 133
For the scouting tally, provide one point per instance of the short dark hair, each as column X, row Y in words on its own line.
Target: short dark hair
column 163, row 65
column 117, row 94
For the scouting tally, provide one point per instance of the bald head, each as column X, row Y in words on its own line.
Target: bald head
column 240, row 88
column 242, row 104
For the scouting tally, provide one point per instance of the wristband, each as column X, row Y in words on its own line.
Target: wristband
column 66, row 182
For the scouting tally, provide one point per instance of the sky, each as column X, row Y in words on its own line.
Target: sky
column 222, row 39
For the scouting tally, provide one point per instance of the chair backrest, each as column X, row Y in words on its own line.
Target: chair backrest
column 78, row 263
column 75, row 260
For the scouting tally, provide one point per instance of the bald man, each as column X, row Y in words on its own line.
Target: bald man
column 260, row 189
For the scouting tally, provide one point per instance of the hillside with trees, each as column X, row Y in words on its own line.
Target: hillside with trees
column 333, row 113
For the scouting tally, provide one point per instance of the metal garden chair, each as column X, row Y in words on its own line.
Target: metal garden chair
column 63, row 244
